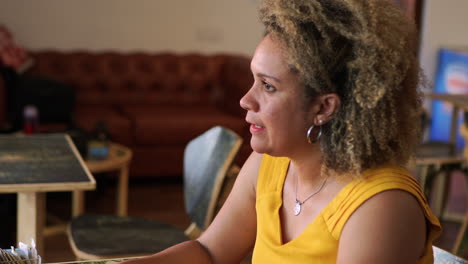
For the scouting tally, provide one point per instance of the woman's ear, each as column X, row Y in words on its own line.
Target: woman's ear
column 328, row 104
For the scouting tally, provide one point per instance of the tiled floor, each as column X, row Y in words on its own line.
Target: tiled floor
column 163, row 200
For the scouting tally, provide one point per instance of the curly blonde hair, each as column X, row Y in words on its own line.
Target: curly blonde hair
column 364, row 51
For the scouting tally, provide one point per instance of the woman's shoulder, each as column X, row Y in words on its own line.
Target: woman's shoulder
column 388, row 222
column 387, row 170
column 380, row 185
column 389, row 201
column 379, row 179
column 385, row 178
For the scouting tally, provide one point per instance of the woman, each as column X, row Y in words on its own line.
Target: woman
column 334, row 116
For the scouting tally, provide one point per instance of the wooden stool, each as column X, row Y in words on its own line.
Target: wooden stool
column 118, row 160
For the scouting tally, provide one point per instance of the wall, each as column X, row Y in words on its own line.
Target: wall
column 445, row 24
column 206, row 26
column 186, row 25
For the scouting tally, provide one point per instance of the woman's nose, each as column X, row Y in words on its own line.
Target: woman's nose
column 247, row 101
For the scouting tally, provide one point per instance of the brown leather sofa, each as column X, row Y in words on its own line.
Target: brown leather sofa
column 152, row 103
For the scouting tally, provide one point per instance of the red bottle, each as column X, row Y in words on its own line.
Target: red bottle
column 30, row 119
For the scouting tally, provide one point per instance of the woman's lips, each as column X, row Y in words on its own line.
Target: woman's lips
column 256, row 129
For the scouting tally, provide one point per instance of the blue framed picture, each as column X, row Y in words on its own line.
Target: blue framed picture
column 451, row 77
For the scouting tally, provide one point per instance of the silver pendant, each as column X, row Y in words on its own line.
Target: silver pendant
column 297, row 208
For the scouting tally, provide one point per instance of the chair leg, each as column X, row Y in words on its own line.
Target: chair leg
column 428, row 176
column 444, row 189
column 462, row 238
column 461, row 167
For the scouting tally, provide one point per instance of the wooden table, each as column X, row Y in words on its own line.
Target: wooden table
column 34, row 165
column 118, row 160
column 459, row 103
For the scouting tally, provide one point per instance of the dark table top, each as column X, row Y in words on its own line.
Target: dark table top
column 43, row 162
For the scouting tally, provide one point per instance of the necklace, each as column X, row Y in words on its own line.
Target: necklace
column 297, row 207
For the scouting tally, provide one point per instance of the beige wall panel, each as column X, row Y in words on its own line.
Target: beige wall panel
column 206, row 26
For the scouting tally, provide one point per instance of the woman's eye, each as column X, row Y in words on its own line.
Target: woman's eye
column 268, row 87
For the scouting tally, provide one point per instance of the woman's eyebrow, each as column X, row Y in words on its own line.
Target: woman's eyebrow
column 269, row 77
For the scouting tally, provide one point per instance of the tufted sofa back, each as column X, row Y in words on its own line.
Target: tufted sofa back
column 139, row 78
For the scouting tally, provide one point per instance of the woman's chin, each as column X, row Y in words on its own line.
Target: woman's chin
column 259, row 147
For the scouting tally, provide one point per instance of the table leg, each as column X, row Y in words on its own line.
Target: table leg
column 78, row 203
column 31, row 219
column 122, row 192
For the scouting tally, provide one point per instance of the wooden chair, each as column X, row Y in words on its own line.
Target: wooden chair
column 462, row 238
column 443, row 257
column 434, row 159
column 207, row 161
column 435, row 165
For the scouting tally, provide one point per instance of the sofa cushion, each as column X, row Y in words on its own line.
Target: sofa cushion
column 120, row 127
column 165, row 126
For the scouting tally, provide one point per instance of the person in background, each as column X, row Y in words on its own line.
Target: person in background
column 12, row 55
column 334, row 117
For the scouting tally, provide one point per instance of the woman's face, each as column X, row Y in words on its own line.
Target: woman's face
column 275, row 104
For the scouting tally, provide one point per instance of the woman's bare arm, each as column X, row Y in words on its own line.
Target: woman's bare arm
column 388, row 228
column 231, row 235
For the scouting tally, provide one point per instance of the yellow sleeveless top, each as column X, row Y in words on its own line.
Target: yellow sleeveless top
column 319, row 241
